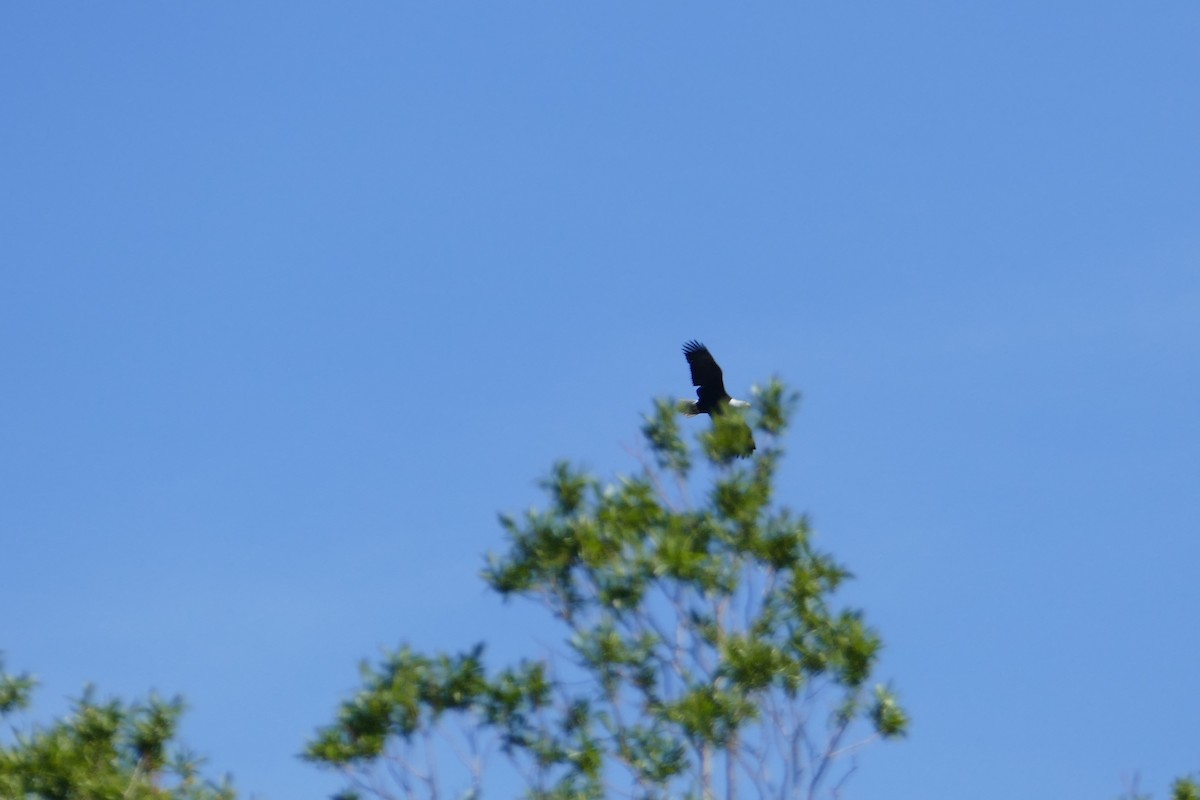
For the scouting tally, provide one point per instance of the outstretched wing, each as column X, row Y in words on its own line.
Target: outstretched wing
column 706, row 374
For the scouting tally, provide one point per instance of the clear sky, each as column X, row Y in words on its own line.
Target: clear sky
column 295, row 297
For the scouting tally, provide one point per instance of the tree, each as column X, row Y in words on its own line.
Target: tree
column 1186, row 788
column 706, row 654
column 102, row 751
column 1182, row 788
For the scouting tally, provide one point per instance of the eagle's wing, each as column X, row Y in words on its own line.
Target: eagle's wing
column 705, row 372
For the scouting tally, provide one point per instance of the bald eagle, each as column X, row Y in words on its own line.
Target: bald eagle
column 711, row 397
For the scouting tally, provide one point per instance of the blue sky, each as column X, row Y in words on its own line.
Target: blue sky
column 298, row 296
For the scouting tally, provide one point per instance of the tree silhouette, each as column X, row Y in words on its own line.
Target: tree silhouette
column 707, row 656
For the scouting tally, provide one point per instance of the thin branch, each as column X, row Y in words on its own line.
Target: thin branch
column 827, row 757
column 133, row 778
column 836, row 789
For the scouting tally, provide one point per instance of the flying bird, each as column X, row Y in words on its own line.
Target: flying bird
column 711, row 397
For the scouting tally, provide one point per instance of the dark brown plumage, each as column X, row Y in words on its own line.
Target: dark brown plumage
column 711, row 397
column 707, row 378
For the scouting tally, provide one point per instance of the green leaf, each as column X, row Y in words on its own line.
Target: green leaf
column 889, row 718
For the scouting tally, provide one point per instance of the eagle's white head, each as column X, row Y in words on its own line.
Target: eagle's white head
column 738, row 403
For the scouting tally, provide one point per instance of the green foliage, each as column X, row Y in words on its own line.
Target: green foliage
column 662, row 433
column 15, row 691
column 407, row 691
column 101, row 751
column 697, row 636
column 728, row 438
column 1185, row 789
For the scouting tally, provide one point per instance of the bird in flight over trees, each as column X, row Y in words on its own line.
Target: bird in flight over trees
column 711, row 397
